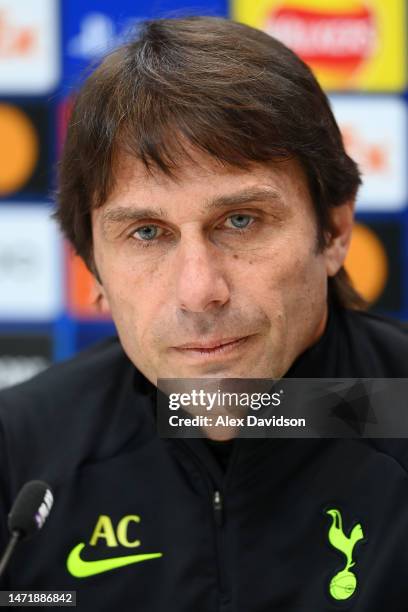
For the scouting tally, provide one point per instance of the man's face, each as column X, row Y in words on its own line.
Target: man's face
column 215, row 274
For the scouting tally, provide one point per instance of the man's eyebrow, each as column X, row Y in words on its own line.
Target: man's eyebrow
column 121, row 214
column 245, row 196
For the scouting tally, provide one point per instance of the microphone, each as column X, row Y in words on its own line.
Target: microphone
column 28, row 515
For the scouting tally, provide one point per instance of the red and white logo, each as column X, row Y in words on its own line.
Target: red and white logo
column 29, row 46
column 331, row 40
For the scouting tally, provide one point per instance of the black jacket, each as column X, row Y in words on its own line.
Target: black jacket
column 293, row 525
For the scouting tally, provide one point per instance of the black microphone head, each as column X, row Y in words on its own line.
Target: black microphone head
column 31, row 508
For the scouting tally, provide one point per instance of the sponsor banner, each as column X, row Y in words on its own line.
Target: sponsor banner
column 227, row 408
column 93, row 28
column 30, row 264
column 25, row 149
column 23, row 356
column 375, row 263
column 375, row 135
column 83, row 296
column 29, row 46
column 349, row 44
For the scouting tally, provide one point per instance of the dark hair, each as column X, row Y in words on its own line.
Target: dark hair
column 225, row 88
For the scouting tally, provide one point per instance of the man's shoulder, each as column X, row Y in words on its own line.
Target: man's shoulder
column 393, row 449
column 90, row 372
column 383, row 326
column 383, row 344
column 75, row 411
column 380, row 340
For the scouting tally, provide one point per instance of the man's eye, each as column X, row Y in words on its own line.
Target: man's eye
column 147, row 233
column 240, row 221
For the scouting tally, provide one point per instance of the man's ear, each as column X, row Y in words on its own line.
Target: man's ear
column 99, row 298
column 339, row 237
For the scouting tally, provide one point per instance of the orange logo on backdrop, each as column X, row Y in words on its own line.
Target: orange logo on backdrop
column 373, row 158
column 19, row 149
column 367, row 263
column 15, row 41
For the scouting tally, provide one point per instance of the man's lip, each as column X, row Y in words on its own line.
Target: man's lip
column 209, row 344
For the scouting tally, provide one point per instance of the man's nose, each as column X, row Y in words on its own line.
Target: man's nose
column 200, row 282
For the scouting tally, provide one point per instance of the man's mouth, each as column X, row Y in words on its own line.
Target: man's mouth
column 213, row 347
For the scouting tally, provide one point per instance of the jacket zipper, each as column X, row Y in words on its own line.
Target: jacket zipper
column 217, row 507
column 220, row 545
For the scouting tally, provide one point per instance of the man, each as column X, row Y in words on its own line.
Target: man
column 205, row 184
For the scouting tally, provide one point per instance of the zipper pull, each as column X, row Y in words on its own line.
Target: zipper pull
column 217, row 501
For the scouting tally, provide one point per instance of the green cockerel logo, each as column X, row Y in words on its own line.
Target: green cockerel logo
column 344, row 583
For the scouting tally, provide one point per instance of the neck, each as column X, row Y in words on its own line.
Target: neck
column 321, row 327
